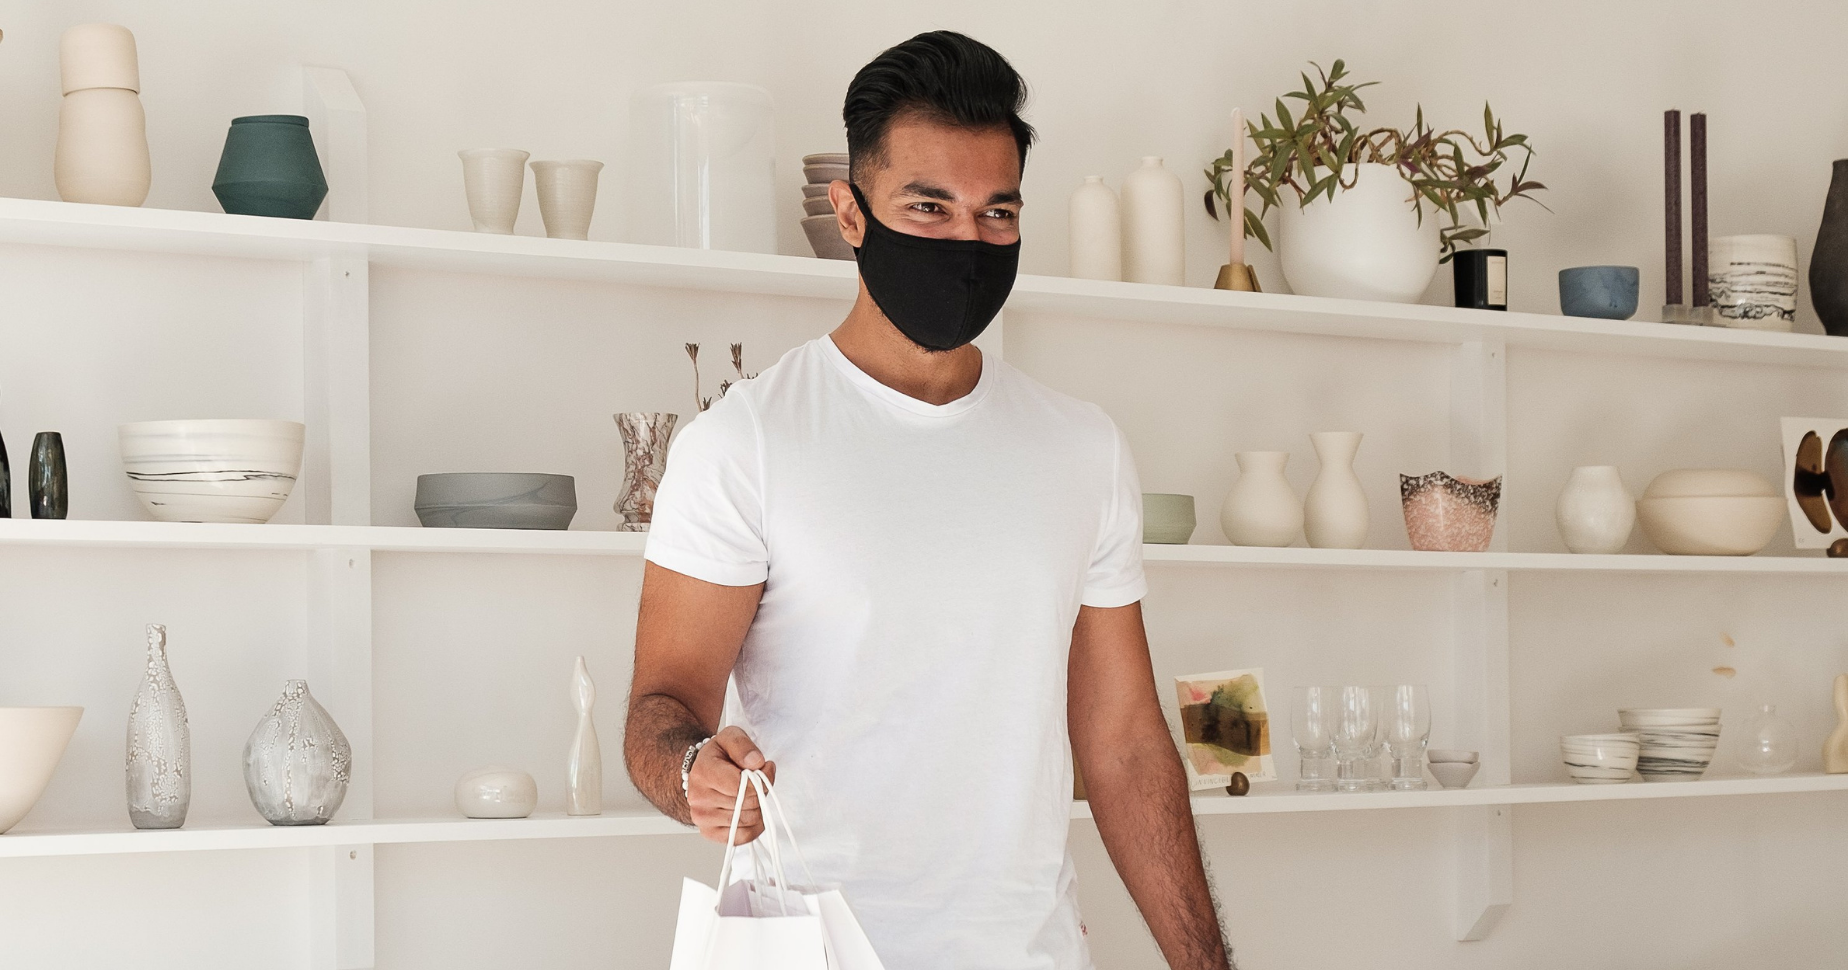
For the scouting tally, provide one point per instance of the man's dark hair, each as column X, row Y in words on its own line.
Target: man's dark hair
column 941, row 77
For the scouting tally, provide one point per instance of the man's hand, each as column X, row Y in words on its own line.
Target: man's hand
column 712, row 786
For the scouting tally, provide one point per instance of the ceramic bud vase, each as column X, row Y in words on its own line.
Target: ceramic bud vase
column 102, row 153
column 1835, row 749
column 47, row 482
column 1828, row 272
column 1096, row 232
column 493, row 179
column 159, row 745
column 584, row 766
column 1262, row 509
column 1335, row 511
column 297, row 762
column 269, row 168
column 567, row 196
column 644, row 450
column 1364, row 244
column 1595, row 511
column 1152, row 236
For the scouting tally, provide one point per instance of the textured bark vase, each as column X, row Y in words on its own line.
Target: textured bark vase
column 1828, row 272
column 1335, row 512
column 269, row 168
column 1595, row 512
column 102, row 153
column 1153, row 247
column 584, row 767
column 644, row 451
column 297, row 763
column 47, row 482
column 1262, row 509
column 1835, row 749
column 159, row 745
column 1096, row 232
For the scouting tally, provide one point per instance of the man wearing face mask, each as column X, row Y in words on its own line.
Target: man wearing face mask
column 921, row 571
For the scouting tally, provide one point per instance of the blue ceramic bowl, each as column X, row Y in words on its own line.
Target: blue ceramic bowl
column 1605, row 292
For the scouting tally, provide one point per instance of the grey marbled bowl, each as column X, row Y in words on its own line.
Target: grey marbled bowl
column 496, row 500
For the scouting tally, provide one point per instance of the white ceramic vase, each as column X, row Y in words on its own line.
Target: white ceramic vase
column 493, row 179
column 584, row 766
column 1152, row 237
column 1365, row 244
column 102, row 151
column 159, row 745
column 297, row 762
column 1335, row 511
column 1096, row 232
column 1595, row 511
column 567, row 196
column 1262, row 509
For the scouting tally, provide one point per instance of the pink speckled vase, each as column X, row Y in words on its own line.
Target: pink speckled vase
column 1446, row 514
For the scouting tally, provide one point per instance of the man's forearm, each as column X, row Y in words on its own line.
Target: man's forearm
column 655, row 740
column 1138, row 796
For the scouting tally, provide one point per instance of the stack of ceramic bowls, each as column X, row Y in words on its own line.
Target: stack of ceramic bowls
column 1600, row 759
column 818, row 223
column 1677, row 742
column 212, row 471
column 1710, row 511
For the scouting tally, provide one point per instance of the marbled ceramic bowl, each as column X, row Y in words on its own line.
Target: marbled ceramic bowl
column 1600, row 759
column 1669, row 756
column 212, row 471
column 32, row 741
column 1668, row 716
column 496, row 500
column 1454, row 774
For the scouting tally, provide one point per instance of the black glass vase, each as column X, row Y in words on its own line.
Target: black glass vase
column 46, row 481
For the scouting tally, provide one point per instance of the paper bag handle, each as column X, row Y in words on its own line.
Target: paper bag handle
column 772, row 810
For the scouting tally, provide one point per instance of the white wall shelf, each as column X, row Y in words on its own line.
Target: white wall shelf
column 255, row 834
column 39, row 222
column 186, row 535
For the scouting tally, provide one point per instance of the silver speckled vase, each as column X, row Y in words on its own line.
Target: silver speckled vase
column 644, row 449
column 297, row 763
column 159, row 745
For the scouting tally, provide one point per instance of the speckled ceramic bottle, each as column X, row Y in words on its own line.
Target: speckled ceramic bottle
column 159, row 745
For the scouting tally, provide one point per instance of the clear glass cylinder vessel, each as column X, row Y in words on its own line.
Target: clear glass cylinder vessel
column 705, row 167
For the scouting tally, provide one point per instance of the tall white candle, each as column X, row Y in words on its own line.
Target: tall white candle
column 1235, row 206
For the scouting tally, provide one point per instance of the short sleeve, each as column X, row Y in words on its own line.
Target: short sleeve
column 708, row 513
column 1115, row 577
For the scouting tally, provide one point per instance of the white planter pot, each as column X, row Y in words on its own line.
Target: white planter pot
column 1366, row 244
column 1262, row 509
column 1335, row 512
column 1595, row 512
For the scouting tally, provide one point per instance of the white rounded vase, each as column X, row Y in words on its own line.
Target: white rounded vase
column 102, row 151
column 1595, row 512
column 1096, row 232
column 1335, row 511
column 1365, row 244
column 1153, row 249
column 1262, row 509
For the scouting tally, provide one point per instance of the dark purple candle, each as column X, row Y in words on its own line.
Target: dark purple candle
column 1671, row 200
column 1697, row 197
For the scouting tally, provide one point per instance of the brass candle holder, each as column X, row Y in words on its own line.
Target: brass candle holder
column 1237, row 276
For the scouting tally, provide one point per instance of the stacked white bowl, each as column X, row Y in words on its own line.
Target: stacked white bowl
column 1600, row 759
column 1677, row 742
column 212, row 471
column 818, row 222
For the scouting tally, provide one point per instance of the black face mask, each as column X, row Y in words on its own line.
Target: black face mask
column 941, row 293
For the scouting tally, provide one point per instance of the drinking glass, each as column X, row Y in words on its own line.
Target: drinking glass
column 1312, row 720
column 1356, row 721
column 1407, row 719
column 1378, row 769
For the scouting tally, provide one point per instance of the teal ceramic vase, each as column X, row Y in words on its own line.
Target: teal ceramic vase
column 269, row 168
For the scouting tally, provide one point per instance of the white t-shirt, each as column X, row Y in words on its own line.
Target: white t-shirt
column 923, row 568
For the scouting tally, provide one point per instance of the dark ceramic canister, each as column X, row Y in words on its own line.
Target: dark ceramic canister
column 46, row 481
column 1828, row 273
column 6, row 484
column 1482, row 278
column 269, row 168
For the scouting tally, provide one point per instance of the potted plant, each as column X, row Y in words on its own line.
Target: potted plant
column 1352, row 202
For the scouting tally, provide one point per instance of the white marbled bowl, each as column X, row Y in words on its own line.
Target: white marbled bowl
column 32, row 741
column 1675, row 754
column 1600, row 759
column 213, row 470
column 1649, row 717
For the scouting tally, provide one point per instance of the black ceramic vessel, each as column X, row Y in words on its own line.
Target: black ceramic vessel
column 1482, row 278
column 6, row 484
column 1828, row 273
column 45, row 479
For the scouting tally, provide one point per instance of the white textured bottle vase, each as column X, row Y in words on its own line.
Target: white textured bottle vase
column 159, row 745
column 1365, row 244
column 1096, row 231
column 102, row 152
column 584, row 767
column 1595, row 512
column 1152, row 236
column 297, row 762
column 1262, row 509
column 1335, row 511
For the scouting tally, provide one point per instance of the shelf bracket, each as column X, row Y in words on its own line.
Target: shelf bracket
column 1484, row 836
column 341, row 915
column 337, row 119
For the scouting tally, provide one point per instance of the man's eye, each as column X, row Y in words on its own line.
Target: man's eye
column 930, row 207
column 1008, row 214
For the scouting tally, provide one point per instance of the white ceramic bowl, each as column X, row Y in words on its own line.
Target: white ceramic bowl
column 212, row 471
column 1451, row 756
column 1659, row 761
column 824, row 173
column 1711, row 525
column 1671, row 715
column 821, row 206
column 1600, row 759
column 825, row 158
column 824, row 236
column 1454, row 774
column 813, row 191
column 32, row 740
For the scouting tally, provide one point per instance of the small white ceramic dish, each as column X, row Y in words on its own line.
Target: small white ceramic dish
column 32, row 741
column 1454, row 774
column 496, row 792
column 1450, row 756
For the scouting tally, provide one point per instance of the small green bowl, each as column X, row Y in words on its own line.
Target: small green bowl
column 1167, row 519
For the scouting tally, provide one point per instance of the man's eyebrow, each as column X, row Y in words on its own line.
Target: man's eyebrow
column 1000, row 198
column 941, row 194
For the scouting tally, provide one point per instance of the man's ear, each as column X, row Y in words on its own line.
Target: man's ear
column 847, row 213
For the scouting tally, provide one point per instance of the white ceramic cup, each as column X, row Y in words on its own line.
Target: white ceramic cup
column 493, row 179
column 567, row 196
column 1753, row 281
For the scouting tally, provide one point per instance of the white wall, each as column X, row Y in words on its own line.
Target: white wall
column 520, row 374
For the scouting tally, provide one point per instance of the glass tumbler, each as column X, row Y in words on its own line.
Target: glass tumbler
column 1356, row 722
column 1406, row 717
column 1312, row 724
